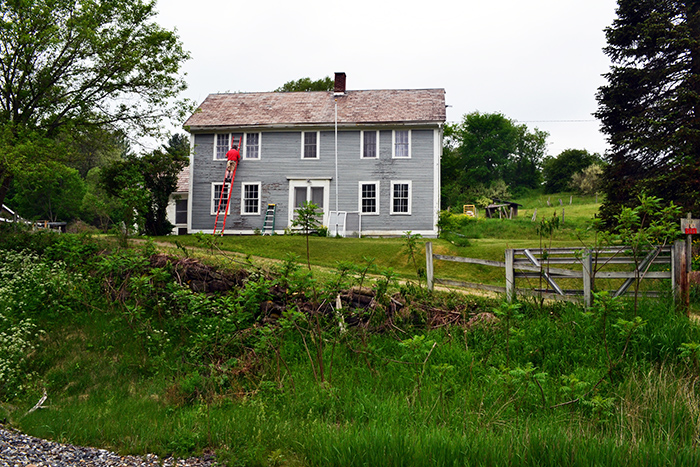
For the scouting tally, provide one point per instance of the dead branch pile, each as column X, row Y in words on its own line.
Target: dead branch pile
column 199, row 277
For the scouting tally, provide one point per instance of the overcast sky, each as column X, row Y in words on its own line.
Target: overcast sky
column 538, row 62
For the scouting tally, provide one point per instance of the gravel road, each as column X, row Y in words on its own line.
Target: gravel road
column 17, row 449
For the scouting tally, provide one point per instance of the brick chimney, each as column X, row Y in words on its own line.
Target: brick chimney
column 339, row 87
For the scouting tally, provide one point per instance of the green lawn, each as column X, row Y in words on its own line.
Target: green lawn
column 474, row 238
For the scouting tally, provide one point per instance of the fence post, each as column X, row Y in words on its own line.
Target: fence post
column 587, row 261
column 510, row 275
column 429, row 264
column 679, row 272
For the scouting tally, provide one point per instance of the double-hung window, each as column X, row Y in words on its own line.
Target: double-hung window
column 369, row 144
column 223, row 142
column 402, row 144
column 219, row 194
column 369, row 198
column 221, row 146
column 401, row 197
column 252, row 146
column 181, row 211
column 250, row 198
column 309, row 144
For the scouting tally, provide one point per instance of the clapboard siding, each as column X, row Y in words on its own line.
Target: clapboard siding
column 280, row 160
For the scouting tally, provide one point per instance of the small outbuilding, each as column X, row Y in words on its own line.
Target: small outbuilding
column 502, row 209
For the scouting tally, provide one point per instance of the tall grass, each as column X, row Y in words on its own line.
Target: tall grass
column 133, row 361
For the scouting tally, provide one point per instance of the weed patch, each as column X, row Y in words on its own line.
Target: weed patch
column 143, row 352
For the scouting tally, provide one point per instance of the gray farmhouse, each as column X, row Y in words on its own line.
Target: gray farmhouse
column 369, row 159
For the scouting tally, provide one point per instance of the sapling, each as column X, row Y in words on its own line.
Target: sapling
column 646, row 227
column 306, row 218
column 411, row 248
column 545, row 231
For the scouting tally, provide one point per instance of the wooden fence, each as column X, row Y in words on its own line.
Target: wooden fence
column 586, row 266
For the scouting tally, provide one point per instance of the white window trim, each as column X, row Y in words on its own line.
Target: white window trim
column 243, row 185
column 212, row 202
column 410, row 197
column 318, row 146
column 393, row 145
column 216, row 145
column 376, row 144
column 244, row 151
column 359, row 196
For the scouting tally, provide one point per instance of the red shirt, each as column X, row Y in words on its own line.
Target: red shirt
column 233, row 155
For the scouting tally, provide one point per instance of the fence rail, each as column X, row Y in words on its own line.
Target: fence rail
column 528, row 263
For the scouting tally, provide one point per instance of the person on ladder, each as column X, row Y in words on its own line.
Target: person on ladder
column 233, row 157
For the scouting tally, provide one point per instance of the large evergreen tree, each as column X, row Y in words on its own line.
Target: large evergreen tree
column 650, row 108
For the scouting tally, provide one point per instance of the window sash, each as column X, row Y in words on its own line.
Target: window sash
column 251, row 198
column 252, row 146
column 181, row 211
column 220, row 191
column 401, row 144
column 223, row 144
column 369, row 144
column 368, row 198
column 401, row 198
column 310, row 145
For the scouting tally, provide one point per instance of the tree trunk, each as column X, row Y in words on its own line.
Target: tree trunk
column 5, row 180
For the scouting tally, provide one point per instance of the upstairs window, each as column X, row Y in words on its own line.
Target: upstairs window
column 252, row 146
column 402, row 144
column 223, row 144
column 369, row 144
column 309, row 143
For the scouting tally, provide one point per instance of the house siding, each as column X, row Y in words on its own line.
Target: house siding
column 280, row 160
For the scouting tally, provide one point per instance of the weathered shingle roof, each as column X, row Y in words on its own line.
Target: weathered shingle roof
column 183, row 181
column 318, row 108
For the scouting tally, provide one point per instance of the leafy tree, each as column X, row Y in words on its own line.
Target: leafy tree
column 486, row 148
column 94, row 147
column 524, row 168
column 557, row 171
column 98, row 208
column 648, row 225
column 588, row 181
column 70, row 66
column 650, row 106
column 124, row 180
column 161, row 170
column 50, row 192
column 155, row 175
column 305, row 84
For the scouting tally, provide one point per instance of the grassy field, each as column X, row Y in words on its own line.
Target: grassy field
column 133, row 360
column 475, row 238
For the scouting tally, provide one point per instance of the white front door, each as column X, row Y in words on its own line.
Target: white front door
column 315, row 191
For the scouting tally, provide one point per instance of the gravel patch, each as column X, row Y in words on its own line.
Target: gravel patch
column 17, row 449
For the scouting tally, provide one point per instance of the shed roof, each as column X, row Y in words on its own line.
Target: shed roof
column 318, row 108
column 183, row 181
